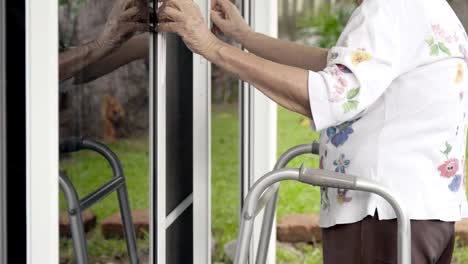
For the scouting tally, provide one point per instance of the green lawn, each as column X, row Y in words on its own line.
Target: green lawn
column 88, row 171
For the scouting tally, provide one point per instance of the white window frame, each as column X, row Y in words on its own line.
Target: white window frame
column 201, row 196
column 258, row 128
column 42, row 132
column 202, row 152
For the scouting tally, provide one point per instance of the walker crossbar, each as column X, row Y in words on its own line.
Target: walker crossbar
column 317, row 178
column 76, row 206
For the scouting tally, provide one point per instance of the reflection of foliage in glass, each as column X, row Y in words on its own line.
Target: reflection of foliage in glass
column 72, row 9
column 76, row 2
column 327, row 24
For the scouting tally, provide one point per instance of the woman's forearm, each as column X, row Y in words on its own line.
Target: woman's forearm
column 286, row 85
column 285, row 52
column 134, row 49
column 75, row 59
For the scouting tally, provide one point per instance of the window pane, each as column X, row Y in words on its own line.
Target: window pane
column 104, row 98
column 224, row 164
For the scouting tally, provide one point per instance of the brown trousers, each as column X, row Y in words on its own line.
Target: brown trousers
column 371, row 241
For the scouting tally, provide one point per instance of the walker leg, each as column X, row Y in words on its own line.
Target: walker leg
column 129, row 228
column 243, row 241
column 270, row 207
column 76, row 223
column 267, row 227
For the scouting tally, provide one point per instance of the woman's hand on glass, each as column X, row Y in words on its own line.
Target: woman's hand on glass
column 228, row 19
column 125, row 19
column 185, row 18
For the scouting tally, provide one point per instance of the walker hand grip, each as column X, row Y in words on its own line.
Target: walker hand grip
column 72, row 144
column 327, row 178
column 315, row 148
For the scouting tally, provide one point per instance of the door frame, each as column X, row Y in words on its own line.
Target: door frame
column 202, row 151
column 201, row 195
column 258, row 121
column 42, row 132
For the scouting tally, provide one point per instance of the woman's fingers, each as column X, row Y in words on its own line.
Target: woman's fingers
column 171, row 3
column 213, row 3
column 169, row 27
column 132, row 27
column 226, row 5
column 128, row 4
column 131, row 3
column 217, row 18
column 170, row 13
column 130, row 14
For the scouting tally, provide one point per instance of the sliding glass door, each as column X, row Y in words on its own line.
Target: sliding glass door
column 174, row 151
column 104, row 109
column 125, row 131
column 181, row 158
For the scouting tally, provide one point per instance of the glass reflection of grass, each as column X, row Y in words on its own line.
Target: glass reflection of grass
column 87, row 171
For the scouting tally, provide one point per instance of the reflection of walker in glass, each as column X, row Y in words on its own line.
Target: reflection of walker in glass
column 76, row 206
column 127, row 20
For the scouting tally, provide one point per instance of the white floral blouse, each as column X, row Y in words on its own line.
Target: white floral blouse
column 391, row 107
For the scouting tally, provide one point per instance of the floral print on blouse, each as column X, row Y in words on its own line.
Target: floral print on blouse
column 390, row 107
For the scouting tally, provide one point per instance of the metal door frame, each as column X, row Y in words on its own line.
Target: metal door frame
column 201, row 195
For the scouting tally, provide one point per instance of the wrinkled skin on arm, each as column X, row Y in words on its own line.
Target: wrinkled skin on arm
column 228, row 19
column 286, row 85
column 126, row 18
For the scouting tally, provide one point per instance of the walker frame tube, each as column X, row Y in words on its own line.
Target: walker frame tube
column 317, row 178
column 76, row 206
column 271, row 198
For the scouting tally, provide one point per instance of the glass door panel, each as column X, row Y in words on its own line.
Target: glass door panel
column 179, row 152
column 104, row 129
column 225, row 195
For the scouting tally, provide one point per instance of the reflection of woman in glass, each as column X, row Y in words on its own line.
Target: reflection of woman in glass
column 126, row 18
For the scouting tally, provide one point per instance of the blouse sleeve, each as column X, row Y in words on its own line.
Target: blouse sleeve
column 359, row 68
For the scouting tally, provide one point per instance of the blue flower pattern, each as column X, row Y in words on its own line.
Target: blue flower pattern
column 454, row 186
column 339, row 135
column 341, row 164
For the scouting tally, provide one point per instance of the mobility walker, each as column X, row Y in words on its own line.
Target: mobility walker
column 75, row 206
column 264, row 194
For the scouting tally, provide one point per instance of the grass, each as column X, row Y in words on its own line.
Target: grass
column 294, row 197
column 88, row 171
column 224, row 179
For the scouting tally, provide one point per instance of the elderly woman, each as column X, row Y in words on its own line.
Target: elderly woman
column 389, row 102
